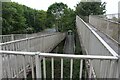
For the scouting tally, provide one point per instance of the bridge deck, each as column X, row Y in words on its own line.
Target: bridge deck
column 109, row 41
column 69, row 45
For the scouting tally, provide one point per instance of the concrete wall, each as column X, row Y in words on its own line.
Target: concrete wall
column 109, row 28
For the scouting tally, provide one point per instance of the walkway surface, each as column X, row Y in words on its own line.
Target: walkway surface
column 108, row 40
column 69, row 46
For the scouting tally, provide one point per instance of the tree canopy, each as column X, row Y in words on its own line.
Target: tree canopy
column 21, row 19
column 17, row 18
column 90, row 7
column 54, row 13
column 60, row 16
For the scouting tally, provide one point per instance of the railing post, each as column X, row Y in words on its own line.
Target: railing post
column 0, row 65
column 43, row 44
column 16, row 66
column 26, row 36
column 24, row 67
column 32, row 67
column 38, row 66
column 117, row 69
column 28, row 44
column 90, row 72
column 71, row 69
column 61, row 68
column 81, row 68
column 52, row 63
column 12, row 37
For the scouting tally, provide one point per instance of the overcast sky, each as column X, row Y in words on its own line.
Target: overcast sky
column 112, row 5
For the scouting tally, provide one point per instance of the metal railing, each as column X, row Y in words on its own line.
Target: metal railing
column 17, row 65
column 11, row 37
column 93, row 44
column 33, row 44
column 5, row 38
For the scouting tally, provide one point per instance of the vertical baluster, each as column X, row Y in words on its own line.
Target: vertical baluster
column 38, row 67
column 61, row 68
column 12, row 37
column 16, row 66
column 29, row 44
column 81, row 67
column 13, row 47
column 117, row 69
column 110, row 72
column 52, row 59
column 8, row 67
column 42, row 43
column 107, row 69
column 19, row 63
column 32, row 68
column 90, row 71
column 1, row 66
column 106, row 66
column 44, row 68
column 18, row 46
column 39, row 43
column 24, row 67
column 11, row 64
column 71, row 68
column 100, row 69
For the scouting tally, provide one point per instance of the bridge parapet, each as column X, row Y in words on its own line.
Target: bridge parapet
column 108, row 24
column 93, row 44
column 12, row 37
column 17, row 64
column 42, row 43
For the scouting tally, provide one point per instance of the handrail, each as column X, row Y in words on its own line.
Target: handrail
column 28, row 38
column 11, row 37
column 100, row 39
column 29, row 60
column 60, row 55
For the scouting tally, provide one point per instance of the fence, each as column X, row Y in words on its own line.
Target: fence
column 108, row 24
column 111, row 17
column 38, row 43
column 18, row 64
column 93, row 44
column 11, row 37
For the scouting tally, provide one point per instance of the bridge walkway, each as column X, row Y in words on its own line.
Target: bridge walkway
column 113, row 44
column 69, row 46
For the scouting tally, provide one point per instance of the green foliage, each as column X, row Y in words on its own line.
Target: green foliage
column 61, row 17
column 67, row 20
column 21, row 19
column 54, row 13
column 13, row 20
column 90, row 8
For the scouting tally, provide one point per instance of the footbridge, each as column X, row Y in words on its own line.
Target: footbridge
column 27, row 54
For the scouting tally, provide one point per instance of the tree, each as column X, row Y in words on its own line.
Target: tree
column 90, row 8
column 13, row 19
column 54, row 13
column 68, row 20
column 21, row 19
column 61, row 17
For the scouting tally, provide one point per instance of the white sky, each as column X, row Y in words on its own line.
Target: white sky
column 112, row 5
